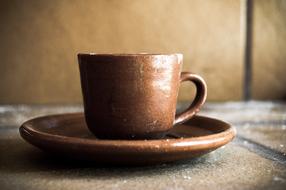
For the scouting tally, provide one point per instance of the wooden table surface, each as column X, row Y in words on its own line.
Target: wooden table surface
column 256, row 159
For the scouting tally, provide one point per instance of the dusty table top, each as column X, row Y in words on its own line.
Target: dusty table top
column 255, row 159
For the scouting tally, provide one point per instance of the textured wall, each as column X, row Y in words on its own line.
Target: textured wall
column 40, row 40
column 269, row 49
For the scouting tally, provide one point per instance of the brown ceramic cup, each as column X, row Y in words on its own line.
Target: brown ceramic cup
column 133, row 96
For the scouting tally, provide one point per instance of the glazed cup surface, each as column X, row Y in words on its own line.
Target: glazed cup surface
column 130, row 96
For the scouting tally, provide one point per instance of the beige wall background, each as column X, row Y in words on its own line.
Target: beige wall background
column 269, row 49
column 39, row 41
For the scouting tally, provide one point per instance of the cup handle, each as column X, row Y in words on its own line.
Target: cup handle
column 199, row 100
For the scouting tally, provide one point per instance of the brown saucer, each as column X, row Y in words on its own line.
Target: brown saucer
column 67, row 134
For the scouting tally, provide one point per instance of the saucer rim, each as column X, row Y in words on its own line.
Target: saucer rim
column 216, row 140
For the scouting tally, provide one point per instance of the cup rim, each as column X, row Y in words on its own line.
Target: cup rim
column 129, row 54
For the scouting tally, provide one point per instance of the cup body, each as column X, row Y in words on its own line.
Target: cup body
column 129, row 96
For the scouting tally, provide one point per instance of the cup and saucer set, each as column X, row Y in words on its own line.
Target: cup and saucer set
column 130, row 114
